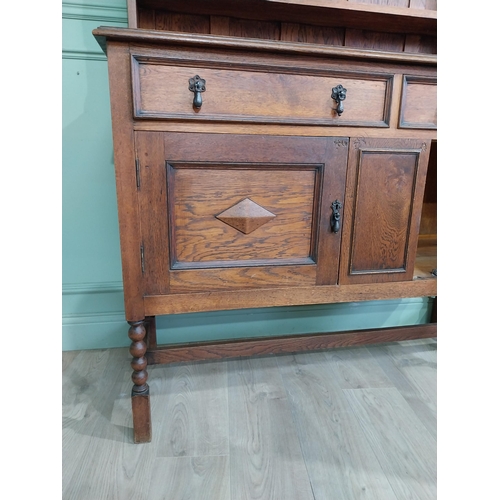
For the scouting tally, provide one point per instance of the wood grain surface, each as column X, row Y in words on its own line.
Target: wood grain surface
column 304, row 33
column 421, row 44
column 412, row 371
column 245, row 28
column 150, row 35
column 126, row 181
column 285, row 130
column 295, row 295
column 148, row 260
column 292, row 31
column 419, row 103
column 273, row 63
column 305, row 426
column 385, row 189
column 374, row 40
column 286, row 344
column 199, row 193
column 188, row 23
column 382, row 222
column 152, row 199
column 333, row 442
column 185, row 478
column 423, row 4
column 428, row 222
column 385, row 15
column 356, row 368
column 184, row 281
column 192, row 424
column 258, row 407
column 393, row 3
column 254, row 94
column 187, row 185
column 87, row 413
column 404, row 448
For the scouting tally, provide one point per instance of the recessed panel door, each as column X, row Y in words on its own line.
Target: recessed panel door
column 240, row 211
column 384, row 193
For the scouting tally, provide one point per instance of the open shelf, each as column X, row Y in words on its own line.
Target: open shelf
column 342, row 14
column 426, row 261
column 354, row 7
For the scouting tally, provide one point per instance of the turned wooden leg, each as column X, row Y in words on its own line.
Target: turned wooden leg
column 141, row 409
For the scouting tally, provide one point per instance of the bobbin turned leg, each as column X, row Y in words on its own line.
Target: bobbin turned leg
column 141, row 410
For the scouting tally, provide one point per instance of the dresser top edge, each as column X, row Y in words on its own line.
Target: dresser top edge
column 104, row 34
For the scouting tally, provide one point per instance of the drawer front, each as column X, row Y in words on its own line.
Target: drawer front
column 418, row 103
column 259, row 94
column 226, row 211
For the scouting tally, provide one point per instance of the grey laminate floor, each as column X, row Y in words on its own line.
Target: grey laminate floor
column 344, row 424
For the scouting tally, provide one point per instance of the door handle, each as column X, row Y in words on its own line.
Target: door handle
column 335, row 220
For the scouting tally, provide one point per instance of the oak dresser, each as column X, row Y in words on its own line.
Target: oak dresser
column 271, row 153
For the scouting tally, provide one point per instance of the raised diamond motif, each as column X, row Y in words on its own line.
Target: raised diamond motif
column 246, row 216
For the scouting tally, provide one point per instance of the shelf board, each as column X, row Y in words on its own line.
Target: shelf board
column 342, row 14
column 344, row 5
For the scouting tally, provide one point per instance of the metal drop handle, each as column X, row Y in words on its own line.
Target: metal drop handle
column 197, row 85
column 335, row 220
column 339, row 95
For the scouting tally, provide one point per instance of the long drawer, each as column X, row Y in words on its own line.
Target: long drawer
column 232, row 92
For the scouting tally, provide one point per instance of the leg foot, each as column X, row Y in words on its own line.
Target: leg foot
column 141, row 414
column 141, row 409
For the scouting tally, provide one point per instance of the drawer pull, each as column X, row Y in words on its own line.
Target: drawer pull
column 335, row 220
column 197, row 85
column 339, row 95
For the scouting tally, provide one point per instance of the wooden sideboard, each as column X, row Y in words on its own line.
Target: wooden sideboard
column 270, row 153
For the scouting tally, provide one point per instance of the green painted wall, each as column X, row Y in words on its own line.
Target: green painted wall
column 92, row 300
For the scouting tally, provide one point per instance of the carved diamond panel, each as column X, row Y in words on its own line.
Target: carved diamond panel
column 246, row 216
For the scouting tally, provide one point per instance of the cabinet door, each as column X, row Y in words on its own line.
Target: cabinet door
column 384, row 193
column 222, row 212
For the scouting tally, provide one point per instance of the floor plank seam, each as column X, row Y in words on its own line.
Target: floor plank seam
column 379, row 445
column 419, row 462
column 289, row 405
column 374, row 451
column 193, row 456
column 410, row 386
column 226, row 366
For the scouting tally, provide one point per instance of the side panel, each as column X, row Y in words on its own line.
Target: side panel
column 126, row 189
